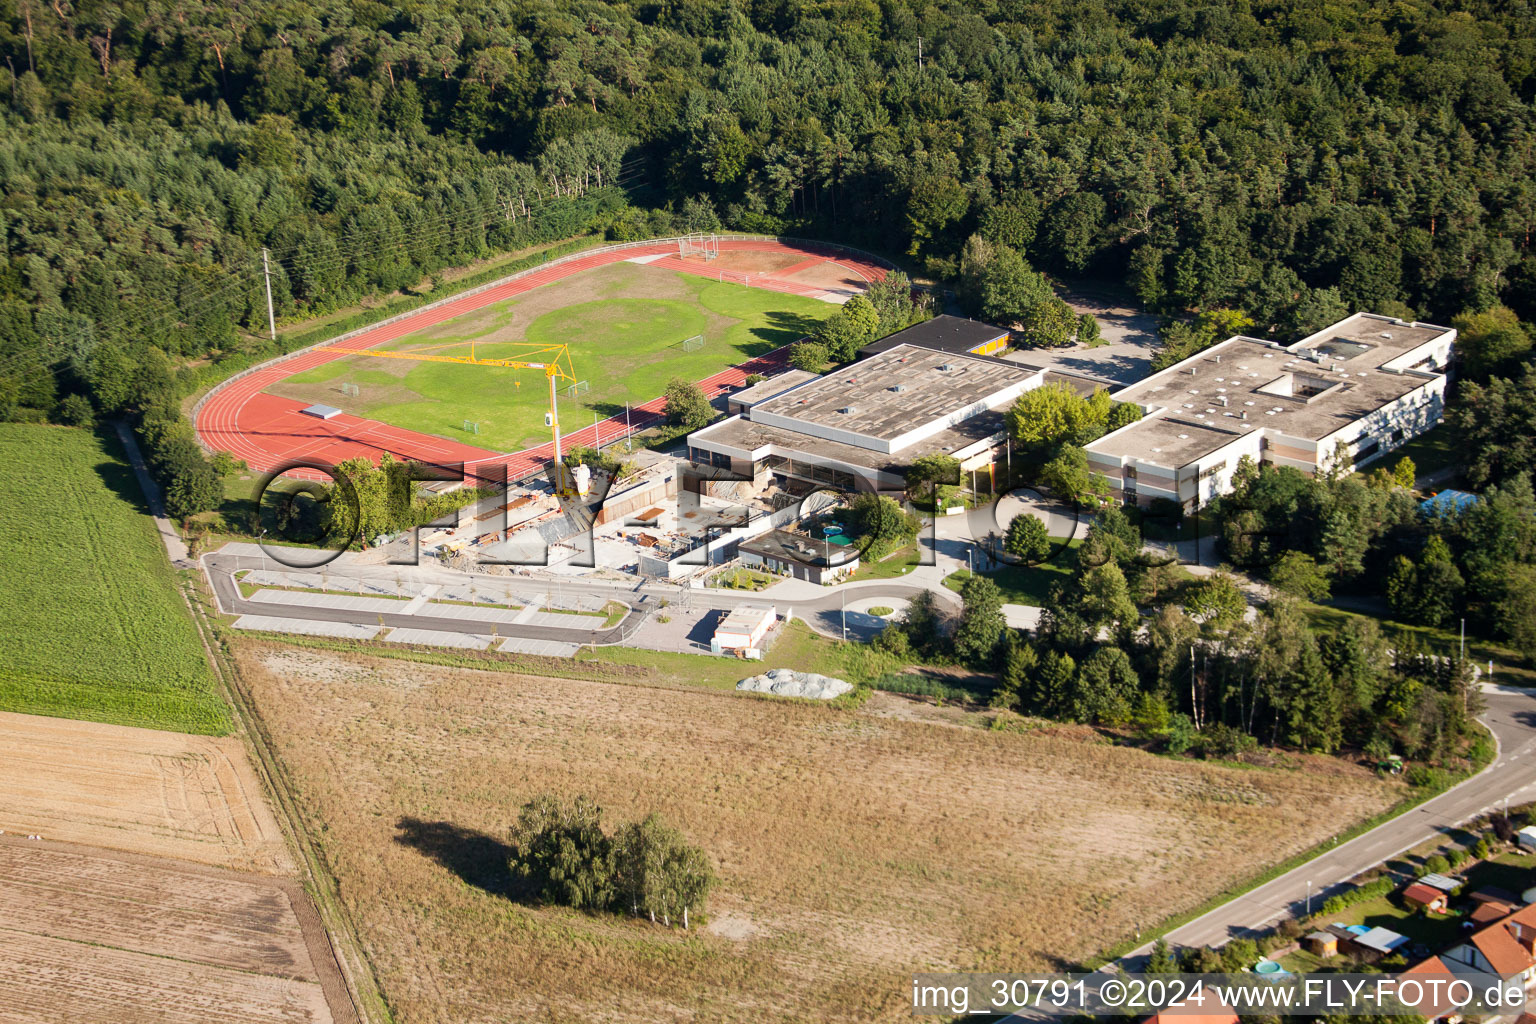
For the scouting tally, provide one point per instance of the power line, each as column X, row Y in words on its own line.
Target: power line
column 250, row 278
column 491, row 216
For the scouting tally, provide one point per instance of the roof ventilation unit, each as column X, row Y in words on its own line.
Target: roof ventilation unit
column 847, row 410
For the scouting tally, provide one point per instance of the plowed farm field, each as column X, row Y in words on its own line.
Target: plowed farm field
column 100, row 925
column 98, row 938
column 140, row 790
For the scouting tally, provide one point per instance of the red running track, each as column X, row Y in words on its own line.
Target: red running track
column 269, row 432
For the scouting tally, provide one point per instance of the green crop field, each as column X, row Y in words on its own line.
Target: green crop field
column 93, row 626
column 625, row 324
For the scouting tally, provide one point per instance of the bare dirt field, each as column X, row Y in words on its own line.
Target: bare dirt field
column 96, row 937
column 141, row 790
column 751, row 262
column 829, row 275
column 853, row 846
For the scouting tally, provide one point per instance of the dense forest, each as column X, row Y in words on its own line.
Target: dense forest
column 1264, row 164
column 1289, row 160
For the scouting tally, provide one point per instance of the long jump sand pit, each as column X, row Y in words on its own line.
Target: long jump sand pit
column 141, row 790
column 854, row 846
column 100, row 937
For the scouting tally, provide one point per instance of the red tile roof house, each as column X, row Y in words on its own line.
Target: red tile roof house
column 1417, row 894
column 1203, row 1008
column 1425, row 972
column 1505, row 948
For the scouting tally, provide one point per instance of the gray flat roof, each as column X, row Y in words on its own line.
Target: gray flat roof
column 1084, row 386
column 766, row 389
column 799, row 548
column 746, row 435
column 1169, row 440
column 888, row 394
column 943, row 333
column 1246, row 373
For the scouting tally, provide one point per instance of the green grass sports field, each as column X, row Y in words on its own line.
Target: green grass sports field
column 94, row 626
column 625, row 324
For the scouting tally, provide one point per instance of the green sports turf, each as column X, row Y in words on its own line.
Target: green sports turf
column 627, row 347
column 93, row 626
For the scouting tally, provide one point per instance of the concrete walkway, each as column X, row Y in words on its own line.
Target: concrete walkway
column 175, row 547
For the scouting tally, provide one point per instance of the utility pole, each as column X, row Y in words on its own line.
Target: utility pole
column 1194, row 704
column 919, row 53
column 266, row 273
column 1463, row 639
column 596, row 443
column 844, row 595
column 627, row 445
column 1309, row 897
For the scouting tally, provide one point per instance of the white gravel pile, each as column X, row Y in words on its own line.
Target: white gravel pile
column 786, row 682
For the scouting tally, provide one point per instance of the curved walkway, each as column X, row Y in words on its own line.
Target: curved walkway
column 270, row 432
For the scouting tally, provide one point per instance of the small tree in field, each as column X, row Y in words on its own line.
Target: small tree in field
column 686, row 405
column 1088, row 331
column 1027, row 538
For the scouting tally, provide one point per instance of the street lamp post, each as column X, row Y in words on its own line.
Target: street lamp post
column 844, row 595
column 1309, row 897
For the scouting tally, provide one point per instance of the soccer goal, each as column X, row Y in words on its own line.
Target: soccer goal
column 694, row 343
column 572, row 390
column 705, row 247
column 349, row 389
column 471, row 427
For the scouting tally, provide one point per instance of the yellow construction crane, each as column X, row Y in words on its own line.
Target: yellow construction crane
column 556, row 366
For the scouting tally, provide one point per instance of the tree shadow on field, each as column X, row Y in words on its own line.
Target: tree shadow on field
column 477, row 858
column 782, row 328
column 607, row 409
column 117, row 474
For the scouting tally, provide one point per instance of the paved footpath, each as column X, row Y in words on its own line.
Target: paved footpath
column 175, row 547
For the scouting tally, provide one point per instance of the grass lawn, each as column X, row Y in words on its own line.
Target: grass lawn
column 897, row 563
column 1029, row 585
column 1432, row 450
column 94, row 626
column 1434, row 930
column 1515, row 872
column 799, row 647
column 625, row 325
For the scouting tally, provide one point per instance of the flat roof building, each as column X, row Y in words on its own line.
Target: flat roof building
column 799, row 556
column 1369, row 381
column 860, row 427
column 763, row 390
column 945, row 333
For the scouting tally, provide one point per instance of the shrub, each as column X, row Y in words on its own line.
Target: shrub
column 808, row 355
column 76, row 411
column 1437, row 865
column 1423, row 776
column 1360, row 894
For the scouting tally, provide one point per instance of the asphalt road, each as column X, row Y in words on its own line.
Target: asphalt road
column 823, row 612
column 1511, row 715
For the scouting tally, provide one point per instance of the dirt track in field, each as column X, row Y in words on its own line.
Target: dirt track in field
column 97, row 937
column 141, row 790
